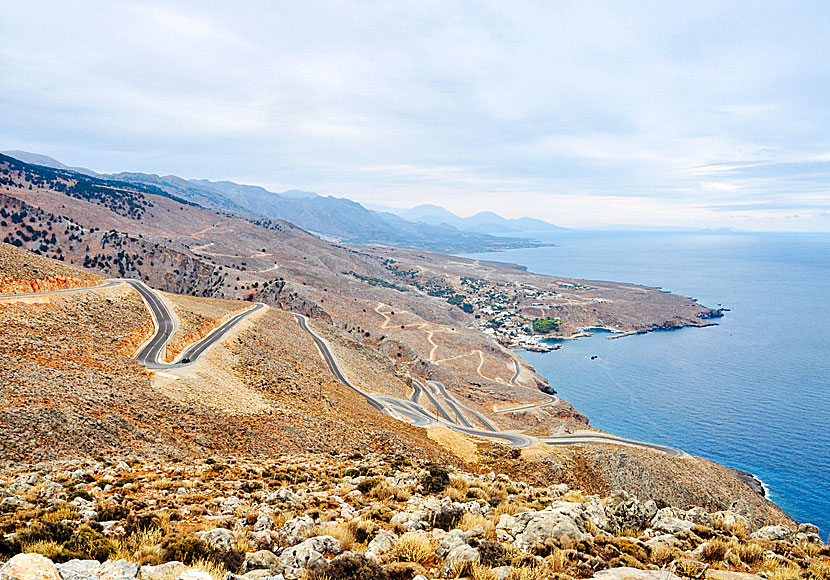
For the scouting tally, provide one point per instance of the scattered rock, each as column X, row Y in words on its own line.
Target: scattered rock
column 119, row 570
column 634, row 574
column 29, row 567
column 382, row 543
column 460, row 555
column 167, row 571
column 261, row 560
column 773, row 533
column 307, row 555
column 219, row 538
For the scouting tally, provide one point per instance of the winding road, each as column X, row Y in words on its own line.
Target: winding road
column 593, row 437
column 151, row 354
column 106, row 284
column 553, row 400
column 515, row 376
column 410, row 410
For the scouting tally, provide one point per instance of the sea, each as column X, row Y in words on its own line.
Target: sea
column 752, row 392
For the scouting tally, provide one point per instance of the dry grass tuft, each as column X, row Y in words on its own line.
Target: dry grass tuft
column 64, row 511
column 162, row 484
column 469, row 521
column 663, row 555
column 139, row 545
column 216, row 571
column 556, row 560
column 788, row 572
column 459, row 484
column 510, row 508
column 714, row 551
column 820, row 569
column 455, row 494
column 412, row 547
column 628, row 532
column 576, row 496
column 43, row 547
column 529, row 573
column 738, row 529
column 482, row 572
column 343, row 533
column 749, row 552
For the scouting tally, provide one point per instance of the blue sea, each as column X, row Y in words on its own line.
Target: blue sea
column 751, row 392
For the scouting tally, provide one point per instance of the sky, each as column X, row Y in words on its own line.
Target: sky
column 585, row 114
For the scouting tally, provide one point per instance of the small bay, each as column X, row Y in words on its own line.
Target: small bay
column 751, row 392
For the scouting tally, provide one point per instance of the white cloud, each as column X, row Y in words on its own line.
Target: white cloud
column 597, row 112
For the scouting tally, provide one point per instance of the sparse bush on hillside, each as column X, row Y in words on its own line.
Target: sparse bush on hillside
column 436, row 479
column 87, row 544
column 350, row 566
column 185, row 549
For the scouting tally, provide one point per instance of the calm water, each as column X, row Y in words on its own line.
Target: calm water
column 751, row 392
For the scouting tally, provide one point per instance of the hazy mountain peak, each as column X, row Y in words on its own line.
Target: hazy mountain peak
column 45, row 161
column 298, row 194
column 431, row 214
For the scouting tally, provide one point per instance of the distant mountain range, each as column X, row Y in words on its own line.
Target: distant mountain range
column 426, row 226
column 485, row 222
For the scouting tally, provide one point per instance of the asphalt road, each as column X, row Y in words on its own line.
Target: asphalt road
column 590, row 437
column 428, row 392
column 323, row 346
column 408, row 409
column 515, row 374
column 152, row 353
column 553, row 400
column 456, row 407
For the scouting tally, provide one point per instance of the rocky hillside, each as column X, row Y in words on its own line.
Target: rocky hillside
column 376, row 517
column 391, row 318
column 433, row 332
column 70, row 388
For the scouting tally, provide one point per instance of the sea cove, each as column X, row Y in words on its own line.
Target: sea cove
column 749, row 392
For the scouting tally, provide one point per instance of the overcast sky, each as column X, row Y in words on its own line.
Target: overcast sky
column 584, row 114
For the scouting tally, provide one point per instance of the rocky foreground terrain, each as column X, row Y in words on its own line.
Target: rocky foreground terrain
column 367, row 517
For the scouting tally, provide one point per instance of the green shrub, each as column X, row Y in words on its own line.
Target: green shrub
column 545, row 325
column 350, row 566
column 45, row 532
column 405, row 570
column 362, row 530
column 113, row 512
column 8, row 548
column 436, row 479
column 87, row 544
column 625, row 561
column 231, row 560
column 446, row 519
column 369, row 484
column 380, row 513
column 494, row 554
column 81, row 494
column 185, row 549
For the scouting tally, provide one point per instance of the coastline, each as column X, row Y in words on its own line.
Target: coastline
column 752, row 481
